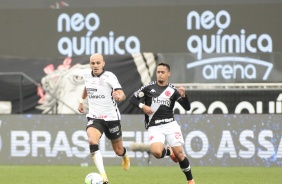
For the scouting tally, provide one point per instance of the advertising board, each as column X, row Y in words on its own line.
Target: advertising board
column 225, row 140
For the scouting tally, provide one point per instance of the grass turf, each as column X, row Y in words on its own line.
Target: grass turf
column 51, row 174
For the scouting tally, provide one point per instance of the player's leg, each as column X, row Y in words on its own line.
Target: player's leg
column 175, row 140
column 121, row 151
column 171, row 155
column 183, row 163
column 115, row 135
column 157, row 139
column 94, row 133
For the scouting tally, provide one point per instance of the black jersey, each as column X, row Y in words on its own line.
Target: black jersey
column 161, row 99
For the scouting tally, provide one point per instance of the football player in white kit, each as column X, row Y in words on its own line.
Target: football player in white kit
column 103, row 89
column 157, row 100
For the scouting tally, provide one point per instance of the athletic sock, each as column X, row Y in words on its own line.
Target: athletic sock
column 168, row 153
column 98, row 160
column 185, row 167
column 164, row 153
column 124, row 152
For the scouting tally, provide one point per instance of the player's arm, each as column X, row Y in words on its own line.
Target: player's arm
column 137, row 102
column 119, row 95
column 81, row 100
column 134, row 100
column 183, row 99
column 84, row 93
column 184, row 102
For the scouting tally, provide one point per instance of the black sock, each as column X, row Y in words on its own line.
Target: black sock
column 168, row 152
column 185, row 167
column 124, row 151
column 164, row 153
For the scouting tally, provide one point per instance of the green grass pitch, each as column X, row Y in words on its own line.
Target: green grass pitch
column 51, row 174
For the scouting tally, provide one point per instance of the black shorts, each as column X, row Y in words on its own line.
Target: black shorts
column 112, row 129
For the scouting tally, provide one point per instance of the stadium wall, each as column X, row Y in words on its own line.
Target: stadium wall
column 223, row 43
column 245, row 29
column 210, row 140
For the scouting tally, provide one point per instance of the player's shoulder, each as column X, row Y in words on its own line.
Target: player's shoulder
column 172, row 86
column 87, row 73
column 108, row 74
column 147, row 86
column 152, row 83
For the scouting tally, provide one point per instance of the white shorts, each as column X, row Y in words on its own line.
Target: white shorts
column 169, row 132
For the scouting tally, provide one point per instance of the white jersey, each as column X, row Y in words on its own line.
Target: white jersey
column 99, row 91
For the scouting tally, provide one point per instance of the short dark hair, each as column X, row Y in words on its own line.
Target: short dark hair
column 165, row 64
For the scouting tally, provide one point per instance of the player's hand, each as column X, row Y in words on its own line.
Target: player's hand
column 181, row 90
column 116, row 96
column 147, row 109
column 80, row 108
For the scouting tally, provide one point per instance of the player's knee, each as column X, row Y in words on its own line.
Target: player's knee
column 93, row 148
column 157, row 154
column 92, row 140
column 179, row 153
column 180, row 157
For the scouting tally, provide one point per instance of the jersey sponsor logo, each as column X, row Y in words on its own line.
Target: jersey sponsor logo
column 91, row 89
column 161, row 101
column 100, row 117
column 166, row 120
column 96, row 96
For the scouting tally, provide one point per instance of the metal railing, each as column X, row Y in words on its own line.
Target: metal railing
column 22, row 76
column 231, row 86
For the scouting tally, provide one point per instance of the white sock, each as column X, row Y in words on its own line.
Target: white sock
column 98, row 160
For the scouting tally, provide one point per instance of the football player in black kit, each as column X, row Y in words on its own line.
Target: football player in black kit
column 157, row 100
